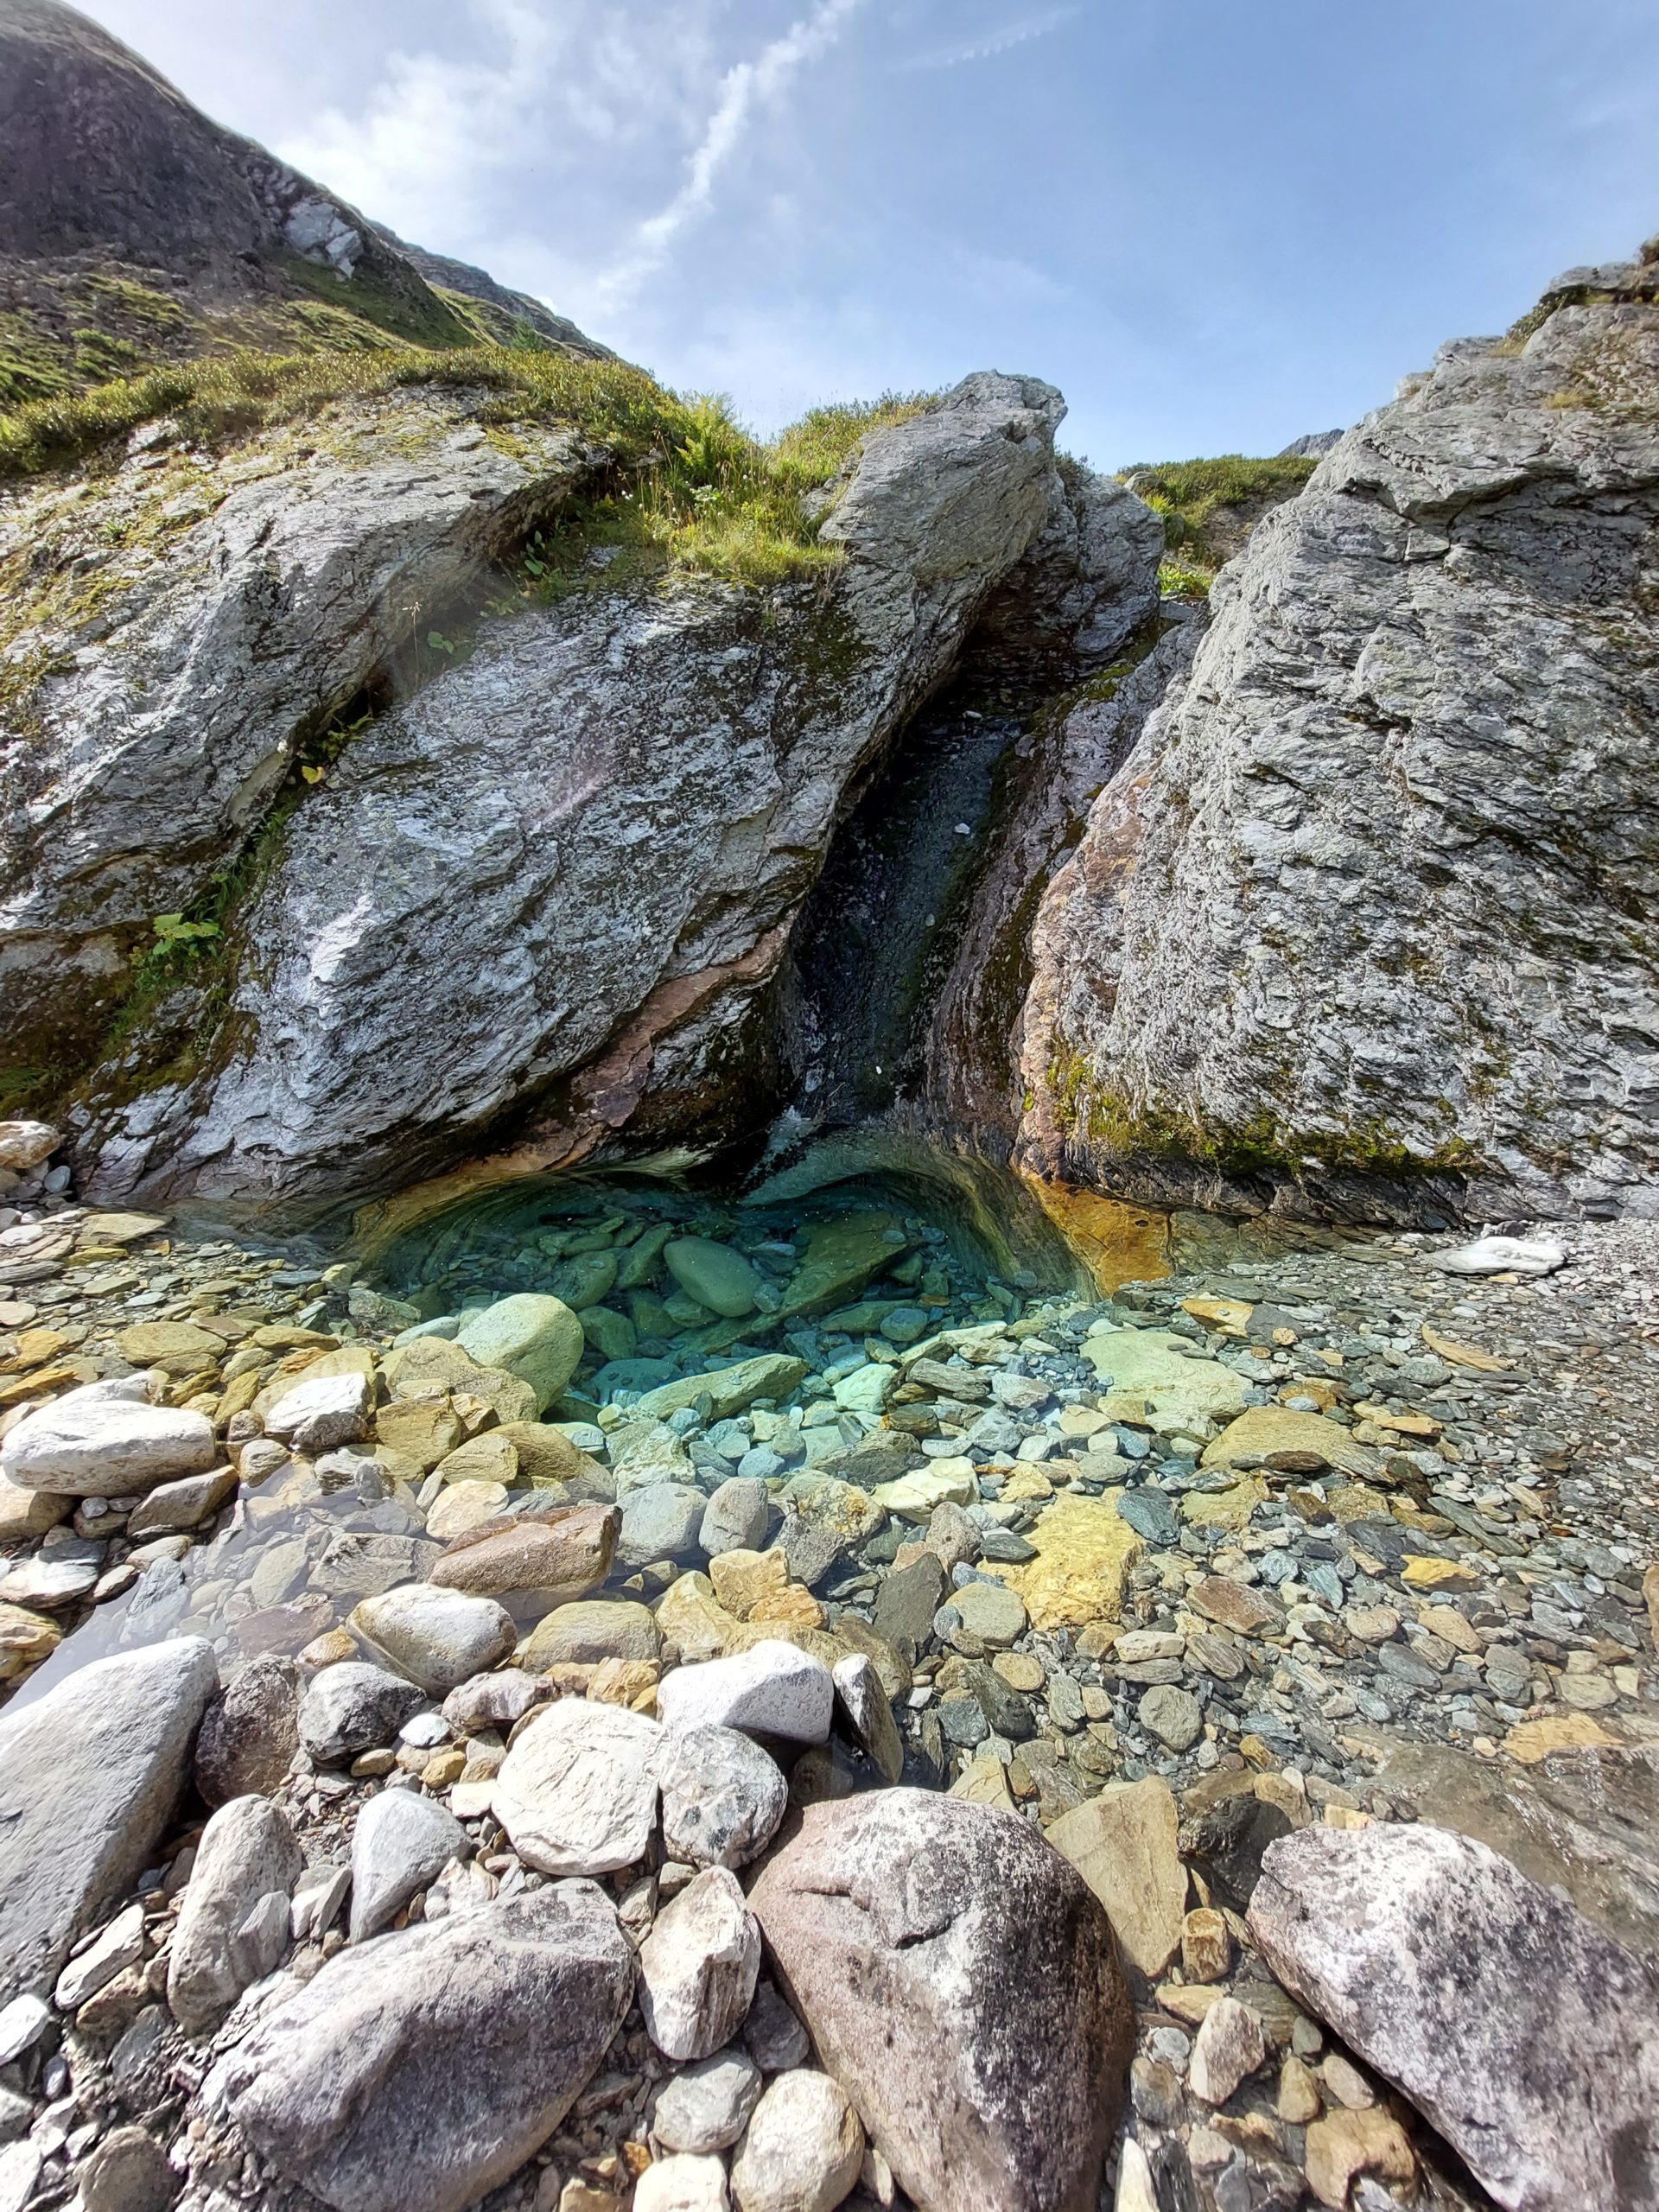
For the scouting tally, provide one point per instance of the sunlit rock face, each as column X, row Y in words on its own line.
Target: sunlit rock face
column 558, row 881
column 1366, row 918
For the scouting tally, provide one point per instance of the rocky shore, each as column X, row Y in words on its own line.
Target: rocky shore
column 996, row 1764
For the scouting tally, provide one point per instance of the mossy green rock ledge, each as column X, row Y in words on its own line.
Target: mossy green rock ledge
column 536, row 1338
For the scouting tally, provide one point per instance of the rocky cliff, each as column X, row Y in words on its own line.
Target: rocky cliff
column 1366, row 918
column 527, row 891
column 134, row 231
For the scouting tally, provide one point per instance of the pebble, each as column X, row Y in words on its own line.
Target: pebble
column 803, row 2149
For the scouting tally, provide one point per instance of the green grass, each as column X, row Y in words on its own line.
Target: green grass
column 692, row 489
column 1191, row 496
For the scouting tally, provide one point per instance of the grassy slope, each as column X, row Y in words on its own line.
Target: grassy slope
column 1208, row 505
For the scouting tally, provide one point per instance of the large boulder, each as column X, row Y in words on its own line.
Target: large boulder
column 725, row 725
column 1525, row 2034
column 104, row 1440
column 90, row 1776
column 1366, row 915
column 933, row 1945
column 426, row 2067
column 537, row 1339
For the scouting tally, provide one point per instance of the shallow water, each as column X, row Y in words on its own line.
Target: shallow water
column 839, row 1279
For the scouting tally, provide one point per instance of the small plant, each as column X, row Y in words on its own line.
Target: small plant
column 175, row 938
column 1177, row 581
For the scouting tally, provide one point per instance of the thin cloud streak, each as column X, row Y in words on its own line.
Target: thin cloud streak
column 744, row 88
column 997, row 41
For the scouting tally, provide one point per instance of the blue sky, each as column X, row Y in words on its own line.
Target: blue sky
column 1215, row 224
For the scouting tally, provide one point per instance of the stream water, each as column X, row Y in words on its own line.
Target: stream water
column 668, row 1281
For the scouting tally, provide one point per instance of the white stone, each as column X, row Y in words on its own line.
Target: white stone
column 93, row 1443
column 681, row 2185
column 576, row 1793
column 772, row 1689
column 184, row 1504
column 707, row 2107
column 870, row 1713
column 914, row 1495
column 24, row 1145
column 699, row 1964
column 803, row 2149
column 228, row 1937
column 1231, row 2044
column 402, row 1842
column 119, row 1946
column 46, row 1584
column 1135, row 2192
column 1492, row 1256
column 439, row 1638
column 21, row 2023
column 320, row 1412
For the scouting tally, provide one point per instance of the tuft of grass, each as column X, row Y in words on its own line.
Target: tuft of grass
column 1178, row 580
column 1206, row 504
column 692, row 489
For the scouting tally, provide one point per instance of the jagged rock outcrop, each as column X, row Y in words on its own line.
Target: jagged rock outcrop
column 559, row 876
column 174, row 681
column 1366, row 920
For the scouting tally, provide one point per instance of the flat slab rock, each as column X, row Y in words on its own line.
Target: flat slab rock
column 1527, row 2036
column 425, row 2067
column 90, row 1776
column 932, row 1946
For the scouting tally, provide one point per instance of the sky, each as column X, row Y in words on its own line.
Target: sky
column 1216, row 225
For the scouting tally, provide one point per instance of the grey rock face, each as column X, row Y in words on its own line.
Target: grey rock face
column 582, row 849
column 157, row 754
column 402, row 1841
column 249, row 1735
column 90, row 1776
column 1378, row 882
column 723, row 1796
column 1523, row 2032
column 353, row 1708
column 223, row 1943
column 423, row 2069
column 932, row 1945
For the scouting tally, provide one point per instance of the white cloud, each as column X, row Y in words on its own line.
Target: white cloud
column 999, row 40
column 440, row 146
column 745, row 87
